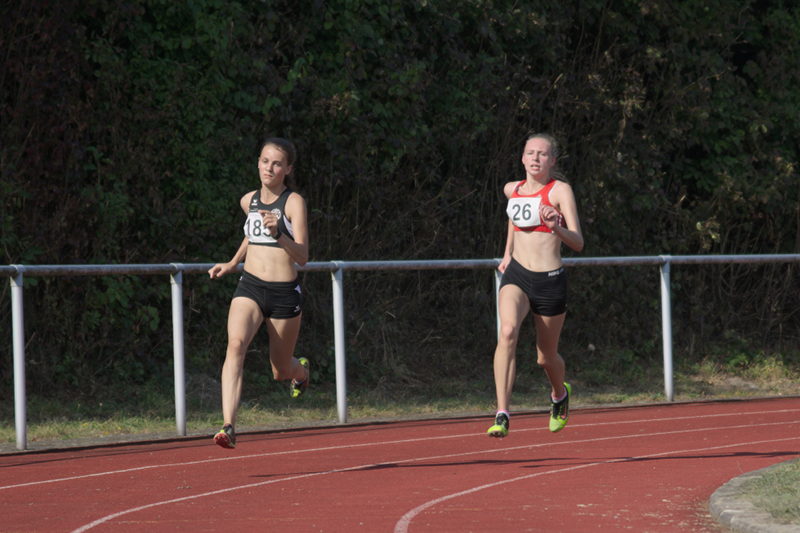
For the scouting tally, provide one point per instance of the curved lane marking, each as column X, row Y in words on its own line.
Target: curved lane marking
column 405, row 521
column 446, row 456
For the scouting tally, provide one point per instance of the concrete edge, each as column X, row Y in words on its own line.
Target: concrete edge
column 732, row 510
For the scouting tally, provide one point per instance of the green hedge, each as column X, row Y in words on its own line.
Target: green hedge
column 130, row 129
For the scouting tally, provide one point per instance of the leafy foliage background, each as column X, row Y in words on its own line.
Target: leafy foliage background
column 130, row 130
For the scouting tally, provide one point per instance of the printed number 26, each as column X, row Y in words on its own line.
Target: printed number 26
column 524, row 210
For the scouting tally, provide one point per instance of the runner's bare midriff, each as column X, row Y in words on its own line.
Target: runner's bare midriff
column 537, row 251
column 269, row 264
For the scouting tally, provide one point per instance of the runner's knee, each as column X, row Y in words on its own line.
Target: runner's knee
column 508, row 335
column 236, row 347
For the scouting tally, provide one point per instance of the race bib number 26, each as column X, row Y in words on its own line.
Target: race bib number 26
column 524, row 212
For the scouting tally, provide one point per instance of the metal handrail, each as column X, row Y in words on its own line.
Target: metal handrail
column 16, row 275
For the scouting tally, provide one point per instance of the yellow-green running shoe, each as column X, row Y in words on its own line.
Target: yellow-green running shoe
column 559, row 411
column 297, row 388
column 500, row 427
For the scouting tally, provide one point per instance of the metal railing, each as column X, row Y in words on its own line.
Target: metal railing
column 16, row 275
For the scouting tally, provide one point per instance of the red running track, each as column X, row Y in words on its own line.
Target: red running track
column 646, row 468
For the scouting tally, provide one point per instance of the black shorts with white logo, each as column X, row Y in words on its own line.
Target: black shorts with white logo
column 276, row 299
column 547, row 291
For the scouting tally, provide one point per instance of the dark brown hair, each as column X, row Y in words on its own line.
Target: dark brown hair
column 284, row 145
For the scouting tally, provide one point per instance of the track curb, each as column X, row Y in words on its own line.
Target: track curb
column 732, row 510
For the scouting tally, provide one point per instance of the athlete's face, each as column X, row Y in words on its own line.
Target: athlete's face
column 537, row 157
column 273, row 165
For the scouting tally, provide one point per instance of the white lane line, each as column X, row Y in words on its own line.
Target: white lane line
column 429, row 458
column 403, row 524
column 371, row 444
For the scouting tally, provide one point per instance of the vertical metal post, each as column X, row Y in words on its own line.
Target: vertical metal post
column 497, row 277
column 666, row 328
column 176, row 281
column 338, row 336
column 18, row 335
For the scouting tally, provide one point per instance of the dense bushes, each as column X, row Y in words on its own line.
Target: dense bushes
column 129, row 131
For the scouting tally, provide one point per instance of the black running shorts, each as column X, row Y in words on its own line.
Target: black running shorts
column 276, row 299
column 547, row 291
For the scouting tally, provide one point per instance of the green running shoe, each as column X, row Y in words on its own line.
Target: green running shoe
column 559, row 411
column 297, row 388
column 226, row 437
column 500, row 427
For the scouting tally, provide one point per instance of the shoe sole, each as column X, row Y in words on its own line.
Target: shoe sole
column 497, row 432
column 224, row 440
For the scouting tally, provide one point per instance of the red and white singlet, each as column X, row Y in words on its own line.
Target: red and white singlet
column 523, row 209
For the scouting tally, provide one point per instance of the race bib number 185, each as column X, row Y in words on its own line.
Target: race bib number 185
column 255, row 230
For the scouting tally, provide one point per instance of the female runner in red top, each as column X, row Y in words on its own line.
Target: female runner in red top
column 542, row 215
